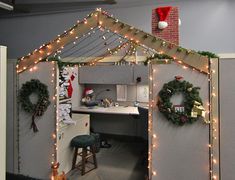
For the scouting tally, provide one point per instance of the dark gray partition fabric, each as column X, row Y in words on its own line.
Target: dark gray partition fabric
column 35, row 149
column 11, row 118
column 227, row 122
column 182, row 152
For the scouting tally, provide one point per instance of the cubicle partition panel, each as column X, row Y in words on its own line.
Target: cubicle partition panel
column 227, row 104
column 36, row 148
column 178, row 152
column 3, row 92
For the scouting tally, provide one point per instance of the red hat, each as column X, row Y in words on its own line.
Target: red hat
column 163, row 13
column 87, row 91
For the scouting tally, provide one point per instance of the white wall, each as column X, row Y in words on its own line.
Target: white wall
column 3, row 84
column 206, row 25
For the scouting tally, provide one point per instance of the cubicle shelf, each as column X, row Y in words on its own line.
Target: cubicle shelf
column 64, row 100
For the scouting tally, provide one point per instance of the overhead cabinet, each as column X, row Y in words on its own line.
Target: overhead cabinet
column 106, row 75
column 113, row 74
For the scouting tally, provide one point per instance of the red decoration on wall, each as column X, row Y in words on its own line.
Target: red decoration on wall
column 178, row 78
column 163, row 13
column 70, row 89
column 171, row 33
column 72, row 77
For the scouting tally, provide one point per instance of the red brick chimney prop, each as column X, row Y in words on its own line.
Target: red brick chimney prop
column 165, row 23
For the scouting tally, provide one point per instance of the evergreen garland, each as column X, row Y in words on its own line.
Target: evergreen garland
column 62, row 64
column 157, row 57
column 208, row 54
column 190, row 93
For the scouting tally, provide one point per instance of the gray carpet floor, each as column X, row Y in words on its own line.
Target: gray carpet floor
column 123, row 161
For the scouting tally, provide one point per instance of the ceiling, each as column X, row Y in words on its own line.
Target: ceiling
column 39, row 7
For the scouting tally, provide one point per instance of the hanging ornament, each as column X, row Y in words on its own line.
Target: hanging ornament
column 198, row 110
column 70, row 87
column 169, row 91
column 163, row 13
column 190, row 89
column 183, row 119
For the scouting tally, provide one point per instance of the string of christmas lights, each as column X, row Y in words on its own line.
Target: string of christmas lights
column 214, row 123
column 47, row 49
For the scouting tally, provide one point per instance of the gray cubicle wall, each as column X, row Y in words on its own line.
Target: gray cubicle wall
column 182, row 152
column 35, row 149
column 227, row 119
column 12, row 156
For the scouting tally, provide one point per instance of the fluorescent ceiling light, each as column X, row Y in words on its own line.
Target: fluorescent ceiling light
column 6, row 6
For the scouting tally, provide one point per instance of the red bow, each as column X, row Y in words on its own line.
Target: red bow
column 178, row 78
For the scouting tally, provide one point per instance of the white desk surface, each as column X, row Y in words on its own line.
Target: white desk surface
column 125, row 110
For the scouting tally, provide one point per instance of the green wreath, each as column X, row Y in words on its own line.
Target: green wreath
column 37, row 109
column 191, row 105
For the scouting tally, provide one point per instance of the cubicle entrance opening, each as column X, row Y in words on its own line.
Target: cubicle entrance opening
column 122, row 126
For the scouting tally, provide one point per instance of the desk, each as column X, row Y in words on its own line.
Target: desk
column 122, row 110
column 122, row 120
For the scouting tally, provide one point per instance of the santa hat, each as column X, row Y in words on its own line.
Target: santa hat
column 87, row 91
column 163, row 13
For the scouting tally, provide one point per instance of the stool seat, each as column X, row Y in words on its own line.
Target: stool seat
column 83, row 141
column 87, row 144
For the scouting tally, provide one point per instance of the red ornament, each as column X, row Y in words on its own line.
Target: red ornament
column 70, row 89
column 178, row 78
column 183, row 119
column 72, row 77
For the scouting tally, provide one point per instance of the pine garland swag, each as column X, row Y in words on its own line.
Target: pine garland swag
column 37, row 109
column 190, row 94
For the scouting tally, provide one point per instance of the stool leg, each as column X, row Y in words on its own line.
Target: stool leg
column 84, row 154
column 74, row 158
column 94, row 155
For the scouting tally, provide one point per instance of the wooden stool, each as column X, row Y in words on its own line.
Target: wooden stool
column 84, row 141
